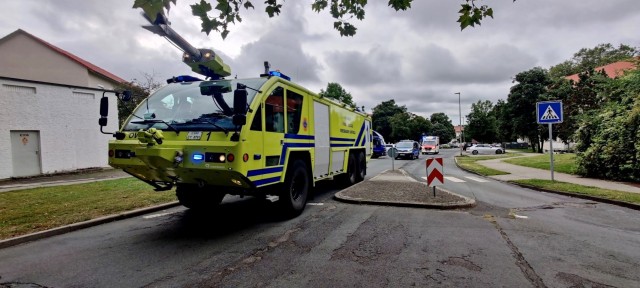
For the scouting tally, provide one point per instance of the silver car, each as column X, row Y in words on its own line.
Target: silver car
column 485, row 149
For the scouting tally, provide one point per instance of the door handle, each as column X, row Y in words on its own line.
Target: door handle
column 281, row 142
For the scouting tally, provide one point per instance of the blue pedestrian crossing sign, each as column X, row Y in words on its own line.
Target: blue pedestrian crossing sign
column 549, row 112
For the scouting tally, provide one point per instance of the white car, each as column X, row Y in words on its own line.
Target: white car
column 389, row 146
column 485, row 149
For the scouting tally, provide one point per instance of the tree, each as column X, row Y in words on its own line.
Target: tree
column 577, row 98
column 504, row 123
column 442, row 127
column 399, row 128
column 140, row 91
column 382, row 115
column 608, row 138
column 335, row 91
column 522, row 99
column 419, row 125
column 586, row 59
column 228, row 12
column 482, row 122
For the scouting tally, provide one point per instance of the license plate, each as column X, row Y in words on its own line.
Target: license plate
column 194, row 135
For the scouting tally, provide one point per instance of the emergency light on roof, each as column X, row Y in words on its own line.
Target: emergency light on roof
column 182, row 78
column 278, row 74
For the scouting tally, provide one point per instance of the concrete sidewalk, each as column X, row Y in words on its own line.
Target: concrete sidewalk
column 522, row 172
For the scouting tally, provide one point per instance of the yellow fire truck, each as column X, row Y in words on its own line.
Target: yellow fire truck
column 264, row 136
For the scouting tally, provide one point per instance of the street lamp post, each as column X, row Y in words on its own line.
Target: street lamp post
column 460, row 114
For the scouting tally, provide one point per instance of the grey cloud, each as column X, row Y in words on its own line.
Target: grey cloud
column 365, row 68
column 486, row 64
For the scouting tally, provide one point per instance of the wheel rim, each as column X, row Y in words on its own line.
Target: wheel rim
column 297, row 186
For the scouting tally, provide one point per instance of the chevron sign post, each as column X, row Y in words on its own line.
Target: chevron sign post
column 435, row 174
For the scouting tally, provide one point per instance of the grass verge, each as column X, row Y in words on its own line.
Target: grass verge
column 469, row 163
column 32, row 210
column 581, row 190
column 563, row 163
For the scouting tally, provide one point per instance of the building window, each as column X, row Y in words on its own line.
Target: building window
column 84, row 95
column 19, row 89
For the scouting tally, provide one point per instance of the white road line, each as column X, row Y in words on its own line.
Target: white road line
column 520, row 216
column 315, row 204
column 157, row 215
column 450, row 178
column 476, row 179
column 454, row 179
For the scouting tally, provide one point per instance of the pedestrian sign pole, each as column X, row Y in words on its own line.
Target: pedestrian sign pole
column 549, row 112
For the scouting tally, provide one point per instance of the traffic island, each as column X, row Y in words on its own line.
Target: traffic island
column 397, row 188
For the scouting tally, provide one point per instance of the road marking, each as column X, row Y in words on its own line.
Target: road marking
column 520, row 216
column 476, row 179
column 315, row 204
column 454, row 179
column 157, row 215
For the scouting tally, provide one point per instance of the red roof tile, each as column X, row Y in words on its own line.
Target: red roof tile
column 612, row 70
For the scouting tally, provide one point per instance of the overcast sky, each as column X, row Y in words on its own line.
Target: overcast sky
column 419, row 57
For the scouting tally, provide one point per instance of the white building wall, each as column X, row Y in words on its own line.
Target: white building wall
column 66, row 118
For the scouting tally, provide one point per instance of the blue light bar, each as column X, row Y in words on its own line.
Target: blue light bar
column 182, row 78
column 197, row 157
column 278, row 74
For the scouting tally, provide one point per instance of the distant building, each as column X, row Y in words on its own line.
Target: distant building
column 612, row 70
column 50, row 102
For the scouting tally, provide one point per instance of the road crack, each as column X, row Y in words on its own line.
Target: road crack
column 521, row 262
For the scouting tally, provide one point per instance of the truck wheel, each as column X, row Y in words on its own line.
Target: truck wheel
column 193, row 197
column 296, row 189
column 349, row 178
column 362, row 167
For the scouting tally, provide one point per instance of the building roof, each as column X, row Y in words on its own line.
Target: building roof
column 91, row 67
column 612, row 70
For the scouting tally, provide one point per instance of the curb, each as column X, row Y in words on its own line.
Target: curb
column 467, row 203
column 582, row 196
column 82, row 225
column 575, row 195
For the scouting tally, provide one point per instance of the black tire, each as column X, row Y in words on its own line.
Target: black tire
column 199, row 198
column 498, row 151
column 361, row 166
column 474, row 152
column 295, row 192
column 349, row 178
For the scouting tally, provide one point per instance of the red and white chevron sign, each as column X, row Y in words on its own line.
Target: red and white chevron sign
column 435, row 172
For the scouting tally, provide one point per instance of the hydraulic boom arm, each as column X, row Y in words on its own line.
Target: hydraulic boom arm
column 201, row 61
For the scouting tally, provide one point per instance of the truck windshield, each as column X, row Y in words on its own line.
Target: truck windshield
column 429, row 142
column 181, row 106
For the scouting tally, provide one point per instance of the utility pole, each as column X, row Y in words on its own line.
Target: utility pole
column 460, row 114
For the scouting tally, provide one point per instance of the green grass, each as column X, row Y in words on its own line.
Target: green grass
column 469, row 163
column 582, row 190
column 32, row 210
column 563, row 163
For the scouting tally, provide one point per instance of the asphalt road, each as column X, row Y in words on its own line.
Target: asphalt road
column 515, row 237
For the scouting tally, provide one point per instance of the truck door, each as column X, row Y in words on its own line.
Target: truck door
column 273, row 135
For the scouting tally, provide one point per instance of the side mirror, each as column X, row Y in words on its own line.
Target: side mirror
column 104, row 107
column 104, row 111
column 126, row 95
column 240, row 101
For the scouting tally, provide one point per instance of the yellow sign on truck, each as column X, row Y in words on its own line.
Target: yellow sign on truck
column 261, row 136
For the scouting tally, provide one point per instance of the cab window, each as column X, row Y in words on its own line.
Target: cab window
column 256, row 124
column 294, row 112
column 274, row 111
